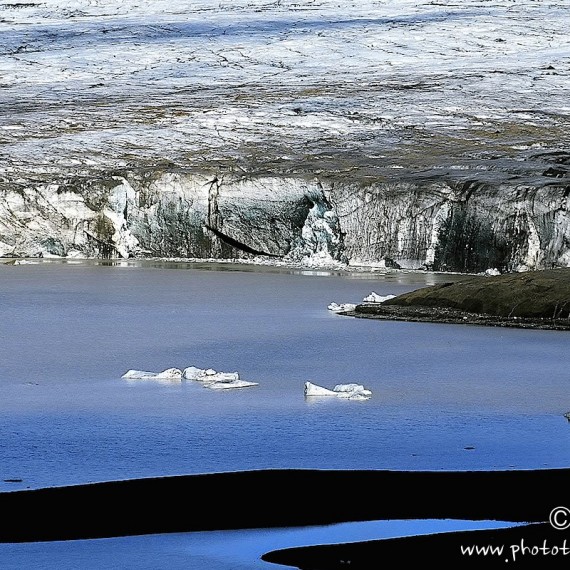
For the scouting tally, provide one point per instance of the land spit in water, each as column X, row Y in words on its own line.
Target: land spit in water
column 536, row 300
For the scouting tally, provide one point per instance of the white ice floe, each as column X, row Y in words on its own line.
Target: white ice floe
column 492, row 272
column 341, row 308
column 355, row 396
column 168, row 374
column 351, row 389
column 375, row 298
column 314, row 390
column 372, row 298
column 347, row 391
column 229, row 384
column 21, row 262
column 215, row 380
column 138, row 374
column 208, row 377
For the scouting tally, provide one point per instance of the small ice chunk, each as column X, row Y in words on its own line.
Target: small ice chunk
column 229, row 384
column 345, row 391
column 339, row 308
column 375, row 298
column 347, row 387
column 314, row 390
column 23, row 262
column 222, row 377
column 209, row 375
column 358, row 396
column 492, row 272
column 168, row 374
column 352, row 389
column 193, row 373
column 138, row 374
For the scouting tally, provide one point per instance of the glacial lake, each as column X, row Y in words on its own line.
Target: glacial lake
column 444, row 397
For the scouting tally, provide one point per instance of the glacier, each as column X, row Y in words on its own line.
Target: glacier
column 391, row 134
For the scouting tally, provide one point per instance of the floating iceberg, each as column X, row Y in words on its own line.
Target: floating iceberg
column 375, row 298
column 348, row 391
column 314, row 390
column 228, row 384
column 216, row 380
column 340, row 308
column 372, row 298
column 355, row 396
column 209, row 377
column 168, row 374
column 351, row 390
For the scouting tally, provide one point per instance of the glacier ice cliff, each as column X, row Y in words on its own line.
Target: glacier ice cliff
column 398, row 133
column 165, row 214
column 444, row 224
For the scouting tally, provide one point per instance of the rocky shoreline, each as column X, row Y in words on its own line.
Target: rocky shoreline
column 453, row 316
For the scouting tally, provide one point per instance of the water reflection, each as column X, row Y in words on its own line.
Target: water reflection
column 398, row 276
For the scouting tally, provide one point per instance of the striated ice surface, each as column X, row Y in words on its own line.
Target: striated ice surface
column 108, row 84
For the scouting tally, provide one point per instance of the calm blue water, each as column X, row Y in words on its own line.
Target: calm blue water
column 70, row 330
column 235, row 550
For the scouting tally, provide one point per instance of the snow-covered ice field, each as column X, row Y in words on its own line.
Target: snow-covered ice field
column 318, row 84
